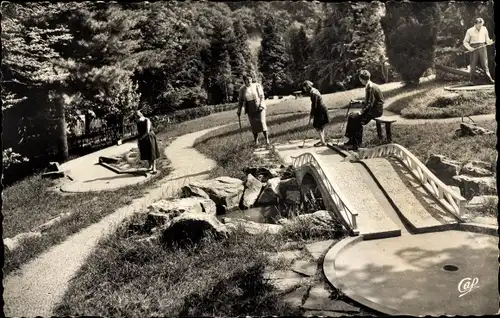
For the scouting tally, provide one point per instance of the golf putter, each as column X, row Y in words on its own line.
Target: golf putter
column 239, row 120
column 479, row 47
column 304, row 143
column 340, row 84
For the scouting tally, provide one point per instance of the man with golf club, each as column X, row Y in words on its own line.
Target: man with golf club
column 373, row 106
column 476, row 40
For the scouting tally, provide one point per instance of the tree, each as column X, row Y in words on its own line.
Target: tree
column 30, row 39
column 300, row 52
column 274, row 59
column 105, row 45
column 241, row 57
column 410, row 30
column 329, row 47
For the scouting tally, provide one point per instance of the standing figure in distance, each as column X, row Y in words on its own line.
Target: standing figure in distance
column 252, row 98
column 319, row 112
column 373, row 106
column 476, row 39
column 148, row 146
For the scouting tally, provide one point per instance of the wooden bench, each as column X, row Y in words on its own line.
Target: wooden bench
column 387, row 121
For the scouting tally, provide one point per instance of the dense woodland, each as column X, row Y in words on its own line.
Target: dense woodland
column 63, row 60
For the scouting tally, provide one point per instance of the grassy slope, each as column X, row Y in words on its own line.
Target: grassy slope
column 226, row 148
column 223, row 278
column 28, row 204
column 429, row 101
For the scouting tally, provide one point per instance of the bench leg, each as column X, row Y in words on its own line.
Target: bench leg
column 379, row 131
column 388, row 132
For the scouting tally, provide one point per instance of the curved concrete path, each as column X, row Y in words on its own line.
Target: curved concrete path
column 39, row 285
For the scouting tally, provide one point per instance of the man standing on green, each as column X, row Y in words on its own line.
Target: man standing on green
column 476, row 39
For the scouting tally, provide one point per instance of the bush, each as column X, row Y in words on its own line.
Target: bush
column 411, row 35
column 182, row 98
column 191, row 113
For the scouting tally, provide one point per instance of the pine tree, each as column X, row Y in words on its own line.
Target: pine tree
column 241, row 57
column 105, row 42
column 274, row 59
column 30, row 38
column 300, row 54
column 411, row 30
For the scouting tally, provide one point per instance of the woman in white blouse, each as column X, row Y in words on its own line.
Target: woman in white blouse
column 252, row 98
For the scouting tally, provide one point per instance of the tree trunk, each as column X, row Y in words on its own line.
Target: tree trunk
column 61, row 128
column 88, row 119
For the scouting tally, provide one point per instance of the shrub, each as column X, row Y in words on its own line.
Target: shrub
column 411, row 35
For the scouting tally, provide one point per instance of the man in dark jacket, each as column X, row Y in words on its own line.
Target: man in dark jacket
column 373, row 106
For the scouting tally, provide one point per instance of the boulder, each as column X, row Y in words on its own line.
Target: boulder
column 252, row 191
column 477, row 169
column 478, row 202
column 189, row 191
column 261, row 173
column 191, row 204
column 191, row 228
column 287, row 172
column 288, row 185
column 226, row 192
column 473, row 186
column 252, row 227
column 321, row 219
column 163, row 211
column 467, row 129
column 271, row 192
column 444, row 168
column 493, row 167
column 13, row 243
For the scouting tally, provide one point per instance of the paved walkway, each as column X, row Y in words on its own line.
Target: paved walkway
column 38, row 286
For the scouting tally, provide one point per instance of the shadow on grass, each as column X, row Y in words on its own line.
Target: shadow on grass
column 401, row 90
column 278, row 121
column 401, row 103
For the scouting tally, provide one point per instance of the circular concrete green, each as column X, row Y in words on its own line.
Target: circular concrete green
column 441, row 273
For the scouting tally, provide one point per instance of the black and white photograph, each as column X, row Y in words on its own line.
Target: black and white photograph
column 249, row 158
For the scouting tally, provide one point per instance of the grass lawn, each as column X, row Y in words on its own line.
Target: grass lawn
column 232, row 154
column 128, row 278
column 438, row 138
column 232, row 149
column 28, row 204
column 430, row 100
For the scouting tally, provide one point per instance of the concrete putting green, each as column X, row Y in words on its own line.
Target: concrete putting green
column 487, row 87
column 440, row 273
column 90, row 176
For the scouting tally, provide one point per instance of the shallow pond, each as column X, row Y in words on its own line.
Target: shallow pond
column 266, row 214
